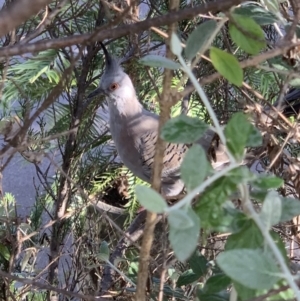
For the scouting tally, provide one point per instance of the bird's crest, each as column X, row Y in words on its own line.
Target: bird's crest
column 112, row 65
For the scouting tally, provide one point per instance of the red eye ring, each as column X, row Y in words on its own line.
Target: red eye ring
column 114, row 86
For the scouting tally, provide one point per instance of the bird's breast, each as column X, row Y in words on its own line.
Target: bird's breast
column 125, row 141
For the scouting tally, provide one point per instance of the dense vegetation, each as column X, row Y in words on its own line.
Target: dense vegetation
column 83, row 236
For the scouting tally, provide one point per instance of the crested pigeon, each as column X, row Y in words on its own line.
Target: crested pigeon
column 134, row 130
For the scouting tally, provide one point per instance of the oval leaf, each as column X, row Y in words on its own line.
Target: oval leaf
column 180, row 219
column 104, row 251
column 237, row 133
column 251, row 268
column 254, row 138
column 267, row 182
column 150, row 199
column 198, row 264
column 153, row 60
column 198, row 38
column 260, row 15
column 186, row 278
column 4, row 252
column 227, row 65
column 184, row 241
column 247, row 34
column 216, row 283
column 194, row 167
column 290, row 208
column 183, row 129
column 175, row 44
column 271, row 209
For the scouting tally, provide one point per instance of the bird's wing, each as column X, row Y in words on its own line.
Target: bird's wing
column 173, row 156
column 174, row 153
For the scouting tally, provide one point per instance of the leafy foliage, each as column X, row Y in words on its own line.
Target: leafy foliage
column 71, row 133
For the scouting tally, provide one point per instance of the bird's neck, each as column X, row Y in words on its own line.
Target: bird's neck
column 123, row 108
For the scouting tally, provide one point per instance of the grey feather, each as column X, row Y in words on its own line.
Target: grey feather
column 134, row 131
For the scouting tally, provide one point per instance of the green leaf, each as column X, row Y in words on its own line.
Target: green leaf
column 295, row 82
column 244, row 293
column 260, row 15
column 104, row 251
column 290, row 208
column 227, row 65
column 209, row 207
column 184, row 241
column 186, row 278
column 183, row 129
column 258, row 195
column 254, row 138
column 271, row 209
column 221, row 296
column 198, row 263
column 267, row 182
column 195, row 167
column 251, row 268
column 237, row 132
column 4, row 252
column 175, row 44
column 198, row 38
column 150, row 199
column 248, row 237
column 284, row 294
column 273, row 6
column 229, row 219
column 180, row 219
column 153, row 60
column 216, row 283
column 247, row 34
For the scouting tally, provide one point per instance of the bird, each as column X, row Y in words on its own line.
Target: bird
column 134, row 131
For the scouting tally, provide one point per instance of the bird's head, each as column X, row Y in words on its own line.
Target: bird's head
column 115, row 83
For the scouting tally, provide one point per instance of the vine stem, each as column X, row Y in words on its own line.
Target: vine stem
column 206, row 102
column 189, row 197
column 266, row 234
column 248, row 207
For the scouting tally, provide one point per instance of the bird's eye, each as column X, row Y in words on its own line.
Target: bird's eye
column 113, row 86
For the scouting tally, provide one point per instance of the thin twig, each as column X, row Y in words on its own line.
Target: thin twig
column 64, row 292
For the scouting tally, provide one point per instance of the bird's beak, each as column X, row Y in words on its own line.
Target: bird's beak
column 96, row 92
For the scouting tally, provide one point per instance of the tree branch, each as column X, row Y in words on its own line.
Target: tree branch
column 120, row 31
